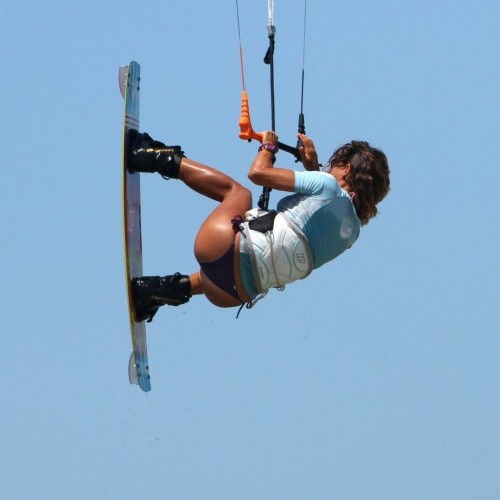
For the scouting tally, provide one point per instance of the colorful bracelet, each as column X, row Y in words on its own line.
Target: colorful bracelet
column 272, row 148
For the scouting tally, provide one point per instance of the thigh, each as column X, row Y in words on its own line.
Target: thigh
column 217, row 234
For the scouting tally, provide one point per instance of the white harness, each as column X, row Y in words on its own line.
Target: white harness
column 280, row 255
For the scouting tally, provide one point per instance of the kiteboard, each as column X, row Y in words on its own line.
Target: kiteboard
column 129, row 81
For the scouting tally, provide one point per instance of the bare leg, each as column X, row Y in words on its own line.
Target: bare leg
column 215, row 239
column 195, row 281
column 216, row 234
column 206, row 180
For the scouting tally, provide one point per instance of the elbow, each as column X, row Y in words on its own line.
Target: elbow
column 255, row 176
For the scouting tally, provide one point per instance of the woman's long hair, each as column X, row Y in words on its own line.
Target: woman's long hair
column 368, row 177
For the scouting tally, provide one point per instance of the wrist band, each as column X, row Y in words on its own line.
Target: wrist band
column 272, row 148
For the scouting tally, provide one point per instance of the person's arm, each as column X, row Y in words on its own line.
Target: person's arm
column 263, row 173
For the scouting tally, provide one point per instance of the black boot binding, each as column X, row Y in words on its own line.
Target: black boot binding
column 152, row 292
column 144, row 154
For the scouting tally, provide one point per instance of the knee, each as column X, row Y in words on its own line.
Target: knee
column 244, row 195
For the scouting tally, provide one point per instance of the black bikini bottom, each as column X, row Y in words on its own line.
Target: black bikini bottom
column 221, row 272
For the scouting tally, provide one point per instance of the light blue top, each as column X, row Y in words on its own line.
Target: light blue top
column 324, row 212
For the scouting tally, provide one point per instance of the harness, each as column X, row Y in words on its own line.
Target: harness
column 278, row 249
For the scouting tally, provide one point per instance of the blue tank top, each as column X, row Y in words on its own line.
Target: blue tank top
column 324, row 212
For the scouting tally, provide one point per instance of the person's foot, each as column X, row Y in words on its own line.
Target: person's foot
column 144, row 154
column 151, row 292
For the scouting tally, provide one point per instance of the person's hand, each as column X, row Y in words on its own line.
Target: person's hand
column 270, row 137
column 307, row 152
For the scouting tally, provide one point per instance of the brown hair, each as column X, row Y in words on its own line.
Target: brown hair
column 368, row 177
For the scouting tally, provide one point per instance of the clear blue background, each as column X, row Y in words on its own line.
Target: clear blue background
column 375, row 378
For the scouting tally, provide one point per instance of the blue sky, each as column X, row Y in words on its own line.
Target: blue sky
column 375, row 378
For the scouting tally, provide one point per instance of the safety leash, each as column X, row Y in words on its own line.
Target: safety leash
column 269, row 59
column 246, row 130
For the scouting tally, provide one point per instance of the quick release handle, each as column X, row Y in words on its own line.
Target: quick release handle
column 246, row 131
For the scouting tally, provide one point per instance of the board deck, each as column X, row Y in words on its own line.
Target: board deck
column 129, row 81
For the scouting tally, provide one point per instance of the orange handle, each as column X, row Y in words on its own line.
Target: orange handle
column 246, row 131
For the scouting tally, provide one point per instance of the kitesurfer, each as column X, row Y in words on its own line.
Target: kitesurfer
column 243, row 253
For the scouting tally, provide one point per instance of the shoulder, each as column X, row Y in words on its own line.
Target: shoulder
column 317, row 183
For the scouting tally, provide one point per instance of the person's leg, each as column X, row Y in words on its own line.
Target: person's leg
column 216, row 235
column 151, row 292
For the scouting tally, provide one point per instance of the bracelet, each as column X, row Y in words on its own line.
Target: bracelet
column 272, row 148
